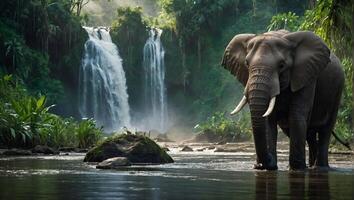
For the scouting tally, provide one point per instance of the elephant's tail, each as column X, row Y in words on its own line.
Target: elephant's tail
column 346, row 144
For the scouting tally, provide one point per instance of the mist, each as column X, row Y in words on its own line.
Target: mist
column 102, row 12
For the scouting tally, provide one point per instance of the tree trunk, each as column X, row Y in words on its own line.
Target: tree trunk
column 199, row 54
column 237, row 9
column 254, row 7
column 352, row 49
column 312, row 4
column 275, row 4
column 184, row 70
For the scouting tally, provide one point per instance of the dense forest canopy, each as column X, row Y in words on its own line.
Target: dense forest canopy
column 42, row 41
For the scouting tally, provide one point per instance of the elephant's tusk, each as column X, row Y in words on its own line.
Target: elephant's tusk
column 270, row 107
column 240, row 105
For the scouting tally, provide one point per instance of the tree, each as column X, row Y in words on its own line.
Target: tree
column 77, row 5
column 352, row 66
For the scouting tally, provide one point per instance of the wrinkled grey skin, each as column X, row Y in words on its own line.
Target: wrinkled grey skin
column 306, row 79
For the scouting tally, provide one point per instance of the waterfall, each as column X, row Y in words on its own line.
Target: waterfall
column 102, row 84
column 154, row 83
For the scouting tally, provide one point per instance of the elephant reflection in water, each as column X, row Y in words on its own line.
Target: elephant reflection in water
column 266, row 186
column 317, row 187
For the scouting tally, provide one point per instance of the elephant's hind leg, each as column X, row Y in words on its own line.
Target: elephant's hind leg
column 325, row 133
column 323, row 144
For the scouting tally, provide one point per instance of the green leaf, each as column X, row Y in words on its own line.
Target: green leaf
column 23, row 138
column 40, row 102
column 13, row 133
column 8, row 77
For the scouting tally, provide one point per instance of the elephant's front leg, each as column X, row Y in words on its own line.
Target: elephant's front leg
column 297, row 144
column 299, row 112
column 272, row 136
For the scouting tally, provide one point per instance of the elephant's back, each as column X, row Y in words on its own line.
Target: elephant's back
column 329, row 88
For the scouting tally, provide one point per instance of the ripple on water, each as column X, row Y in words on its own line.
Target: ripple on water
column 195, row 175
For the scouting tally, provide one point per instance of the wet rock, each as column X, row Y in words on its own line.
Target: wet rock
column 228, row 150
column 221, row 142
column 44, row 150
column 136, row 148
column 211, row 147
column 81, row 150
column 113, row 163
column 17, row 152
column 73, row 149
column 67, row 149
column 200, row 149
column 166, row 148
column 186, row 148
column 162, row 138
column 219, row 150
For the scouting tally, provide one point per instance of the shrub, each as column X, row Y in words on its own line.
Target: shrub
column 87, row 134
column 26, row 122
column 344, row 114
column 20, row 115
column 219, row 124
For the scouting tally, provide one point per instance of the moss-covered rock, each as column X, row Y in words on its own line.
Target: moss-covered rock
column 137, row 148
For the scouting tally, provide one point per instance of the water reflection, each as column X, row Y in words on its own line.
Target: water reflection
column 319, row 185
column 296, row 185
column 266, row 185
column 191, row 177
column 300, row 185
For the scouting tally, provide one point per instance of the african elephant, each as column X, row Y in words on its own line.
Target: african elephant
column 292, row 80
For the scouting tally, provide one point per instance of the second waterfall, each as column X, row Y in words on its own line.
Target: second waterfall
column 155, row 99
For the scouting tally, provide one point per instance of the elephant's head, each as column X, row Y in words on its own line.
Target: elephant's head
column 267, row 64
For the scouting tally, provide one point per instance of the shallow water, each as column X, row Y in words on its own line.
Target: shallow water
column 195, row 175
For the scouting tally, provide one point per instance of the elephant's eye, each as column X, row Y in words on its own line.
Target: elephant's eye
column 246, row 62
column 282, row 67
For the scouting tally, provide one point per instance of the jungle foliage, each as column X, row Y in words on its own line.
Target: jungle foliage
column 27, row 122
column 41, row 44
column 220, row 124
column 42, row 41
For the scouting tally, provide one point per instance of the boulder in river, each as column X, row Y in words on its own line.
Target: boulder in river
column 17, row 152
column 113, row 163
column 67, row 149
column 44, row 150
column 137, row 149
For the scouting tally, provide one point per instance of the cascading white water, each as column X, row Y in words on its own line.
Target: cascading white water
column 154, row 83
column 102, row 84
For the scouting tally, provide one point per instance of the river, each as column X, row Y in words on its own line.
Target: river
column 194, row 175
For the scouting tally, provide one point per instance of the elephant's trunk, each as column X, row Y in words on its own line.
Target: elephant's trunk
column 258, row 99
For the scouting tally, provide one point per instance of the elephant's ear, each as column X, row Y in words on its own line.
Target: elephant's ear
column 310, row 58
column 234, row 57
